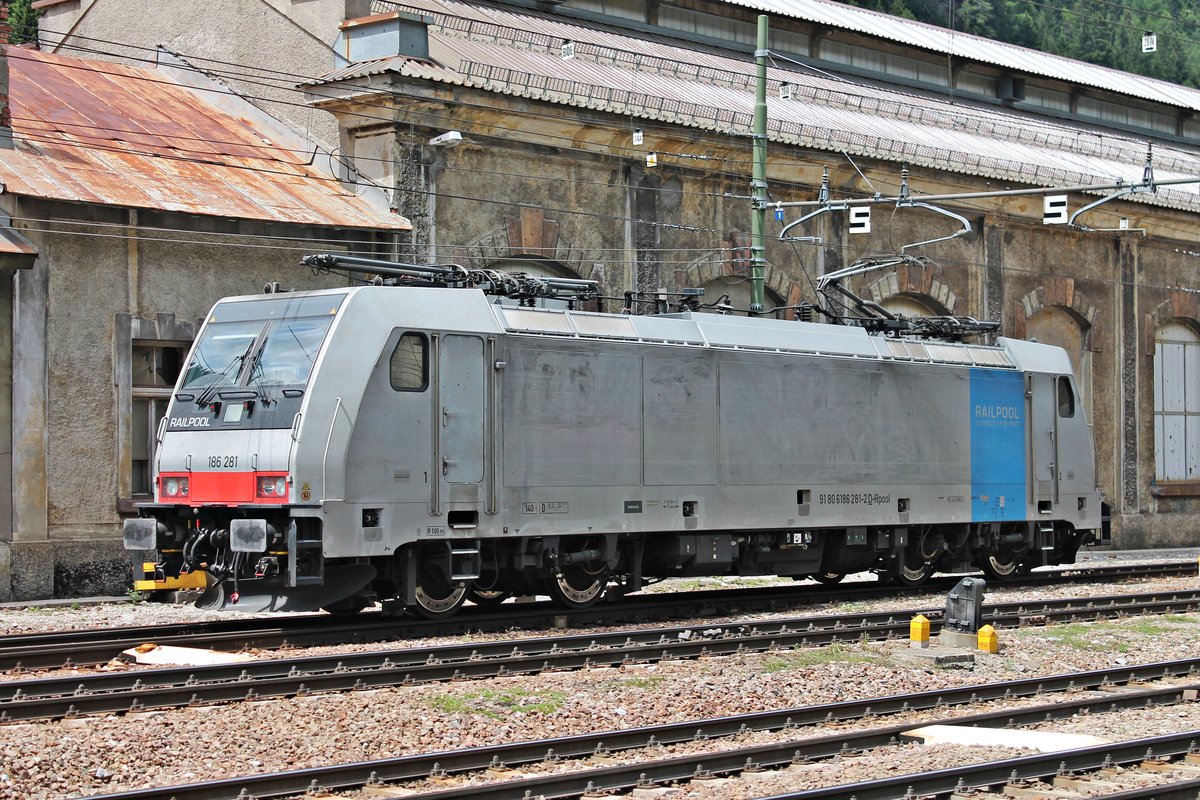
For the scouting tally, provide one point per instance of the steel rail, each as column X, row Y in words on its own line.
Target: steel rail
column 67, row 649
column 147, row 689
column 426, row 765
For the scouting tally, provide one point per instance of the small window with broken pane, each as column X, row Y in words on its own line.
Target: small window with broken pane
column 410, row 363
column 155, row 368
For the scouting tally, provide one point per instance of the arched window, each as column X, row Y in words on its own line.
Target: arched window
column 1057, row 326
column 1176, row 403
column 737, row 289
column 538, row 267
column 908, row 306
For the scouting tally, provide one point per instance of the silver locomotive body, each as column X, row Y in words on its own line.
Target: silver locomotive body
column 426, row 445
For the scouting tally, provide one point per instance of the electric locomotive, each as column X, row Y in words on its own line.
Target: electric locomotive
column 421, row 440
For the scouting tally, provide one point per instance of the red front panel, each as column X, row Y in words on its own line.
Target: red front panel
column 219, row 488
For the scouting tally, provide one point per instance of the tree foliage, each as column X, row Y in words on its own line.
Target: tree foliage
column 1104, row 33
column 22, row 19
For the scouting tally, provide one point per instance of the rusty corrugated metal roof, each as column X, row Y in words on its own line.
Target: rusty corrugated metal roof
column 99, row 132
column 519, row 53
column 13, row 243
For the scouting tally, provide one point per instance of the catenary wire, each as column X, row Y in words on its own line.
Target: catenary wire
column 858, row 252
column 739, row 176
column 647, row 222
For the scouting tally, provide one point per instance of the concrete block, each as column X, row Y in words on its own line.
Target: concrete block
column 959, row 640
column 938, row 656
column 93, row 567
column 30, row 570
column 5, row 573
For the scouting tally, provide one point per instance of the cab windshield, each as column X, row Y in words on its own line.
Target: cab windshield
column 259, row 344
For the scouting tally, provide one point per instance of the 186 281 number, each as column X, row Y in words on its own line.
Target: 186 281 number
column 222, row 462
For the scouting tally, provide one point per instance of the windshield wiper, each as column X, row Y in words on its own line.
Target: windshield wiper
column 260, row 388
column 220, row 382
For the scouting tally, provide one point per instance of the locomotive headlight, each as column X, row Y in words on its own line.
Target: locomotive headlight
column 175, row 487
column 172, row 487
column 271, row 486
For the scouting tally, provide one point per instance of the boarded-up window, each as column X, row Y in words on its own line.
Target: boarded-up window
column 1176, row 403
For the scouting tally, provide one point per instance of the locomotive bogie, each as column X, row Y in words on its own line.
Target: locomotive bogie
column 426, row 446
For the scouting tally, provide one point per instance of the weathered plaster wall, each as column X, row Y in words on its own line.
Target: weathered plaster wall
column 69, row 471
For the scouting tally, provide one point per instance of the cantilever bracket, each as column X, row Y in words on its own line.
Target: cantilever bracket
column 783, row 237
column 905, row 201
column 826, row 206
column 966, row 225
column 1147, row 185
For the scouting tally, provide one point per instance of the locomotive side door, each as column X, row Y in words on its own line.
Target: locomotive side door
column 460, row 417
column 1043, row 433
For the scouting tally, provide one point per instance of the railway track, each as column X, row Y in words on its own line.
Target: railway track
column 66, row 649
column 145, row 689
column 650, row 768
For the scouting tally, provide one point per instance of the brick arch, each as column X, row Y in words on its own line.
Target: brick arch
column 920, row 282
column 1180, row 306
column 1058, row 292
column 734, row 260
column 527, row 235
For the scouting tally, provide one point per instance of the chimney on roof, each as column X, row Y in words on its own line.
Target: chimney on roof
column 5, row 27
column 6, row 133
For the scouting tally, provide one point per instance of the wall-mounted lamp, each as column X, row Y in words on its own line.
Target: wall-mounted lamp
column 447, row 139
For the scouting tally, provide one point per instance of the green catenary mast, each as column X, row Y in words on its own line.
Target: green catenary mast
column 758, row 186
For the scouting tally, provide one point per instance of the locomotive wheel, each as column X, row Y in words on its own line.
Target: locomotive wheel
column 437, row 596
column 1002, row 567
column 829, row 578
column 913, row 570
column 434, row 603
column 488, row 598
column 576, row 587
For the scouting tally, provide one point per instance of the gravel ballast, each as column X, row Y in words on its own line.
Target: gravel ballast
column 108, row 754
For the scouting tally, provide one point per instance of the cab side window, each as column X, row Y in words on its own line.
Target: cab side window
column 1066, row 398
column 409, row 370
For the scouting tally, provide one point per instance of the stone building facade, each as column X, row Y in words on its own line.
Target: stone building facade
column 547, row 175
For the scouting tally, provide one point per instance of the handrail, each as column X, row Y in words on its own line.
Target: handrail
column 325, row 458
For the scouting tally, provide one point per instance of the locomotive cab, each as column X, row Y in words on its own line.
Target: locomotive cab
column 224, row 490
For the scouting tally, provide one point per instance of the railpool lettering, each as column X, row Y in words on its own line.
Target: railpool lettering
column 997, row 412
column 190, row 422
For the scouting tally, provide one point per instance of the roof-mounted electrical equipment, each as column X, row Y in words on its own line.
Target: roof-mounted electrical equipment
column 519, row 286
